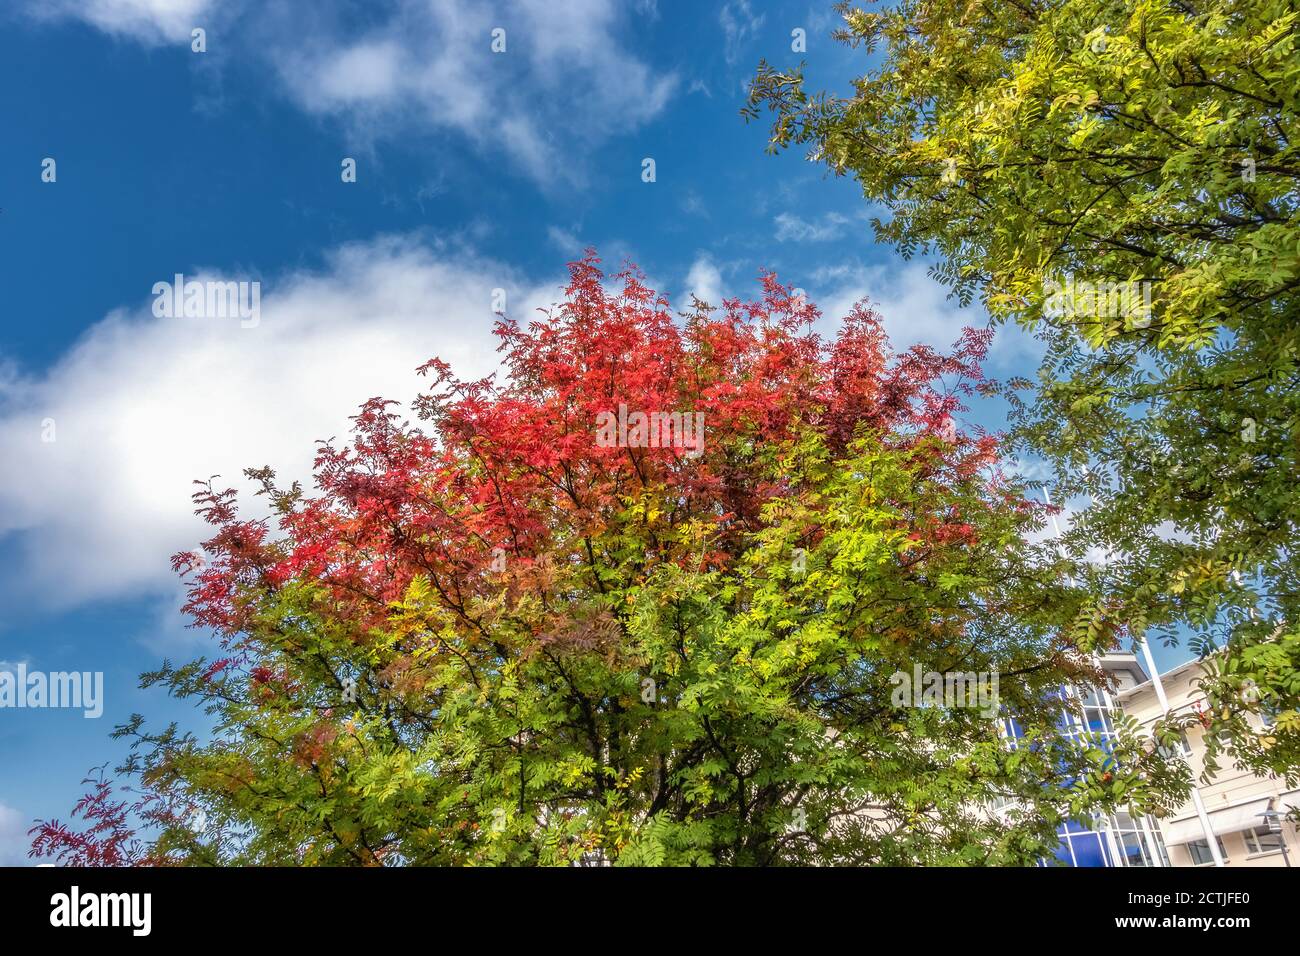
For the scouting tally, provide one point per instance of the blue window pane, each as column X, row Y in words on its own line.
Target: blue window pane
column 1087, row 850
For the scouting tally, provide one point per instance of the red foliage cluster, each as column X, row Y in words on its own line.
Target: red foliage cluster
column 508, row 467
column 108, row 839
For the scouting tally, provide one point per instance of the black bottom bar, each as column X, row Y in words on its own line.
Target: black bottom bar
column 380, row 907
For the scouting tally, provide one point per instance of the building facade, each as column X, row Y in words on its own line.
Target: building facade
column 1230, row 808
column 1117, row 839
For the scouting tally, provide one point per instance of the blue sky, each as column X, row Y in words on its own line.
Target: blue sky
column 475, row 171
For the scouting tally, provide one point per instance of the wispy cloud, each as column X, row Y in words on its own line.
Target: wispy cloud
column 914, row 306
column 693, row 205
column 790, row 227
column 149, row 21
column 565, row 240
column 739, row 26
column 563, row 83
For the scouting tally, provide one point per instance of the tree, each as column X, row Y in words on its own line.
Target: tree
column 545, row 631
column 1121, row 178
column 109, row 837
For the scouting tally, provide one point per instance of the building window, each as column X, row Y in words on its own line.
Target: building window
column 1096, row 713
column 1133, row 846
column 1086, row 716
column 1089, row 850
column 1200, row 851
column 1262, row 840
column 1135, row 853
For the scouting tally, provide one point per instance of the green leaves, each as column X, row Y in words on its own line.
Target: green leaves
column 744, row 717
column 1141, row 141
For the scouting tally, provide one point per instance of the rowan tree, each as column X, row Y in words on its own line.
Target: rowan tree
column 488, row 637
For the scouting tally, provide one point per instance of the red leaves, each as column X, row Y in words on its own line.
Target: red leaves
column 311, row 745
column 510, row 470
column 107, row 839
column 217, row 667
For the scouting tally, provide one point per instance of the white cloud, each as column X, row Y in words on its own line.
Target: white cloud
column 704, row 281
column 564, row 83
column 791, row 227
column 564, row 240
column 150, row 21
column 14, row 841
column 143, row 405
column 914, row 307
column 364, row 73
